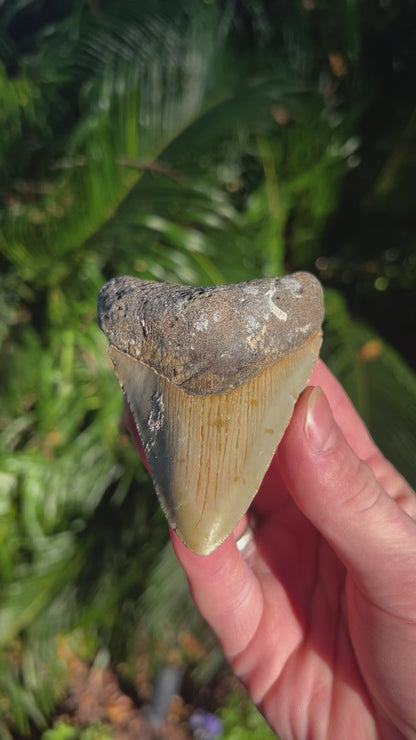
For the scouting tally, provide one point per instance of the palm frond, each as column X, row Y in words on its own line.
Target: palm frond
column 379, row 382
column 161, row 89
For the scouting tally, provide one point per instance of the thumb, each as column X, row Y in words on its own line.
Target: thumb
column 372, row 535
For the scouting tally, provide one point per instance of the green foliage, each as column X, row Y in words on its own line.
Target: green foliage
column 242, row 721
column 381, row 385
column 190, row 142
column 62, row 731
column 28, row 668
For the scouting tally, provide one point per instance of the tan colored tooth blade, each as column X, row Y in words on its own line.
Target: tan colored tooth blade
column 208, row 454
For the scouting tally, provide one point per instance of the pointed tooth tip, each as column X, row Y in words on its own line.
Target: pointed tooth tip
column 204, row 546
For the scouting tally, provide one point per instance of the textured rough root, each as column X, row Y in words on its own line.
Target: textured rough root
column 210, row 340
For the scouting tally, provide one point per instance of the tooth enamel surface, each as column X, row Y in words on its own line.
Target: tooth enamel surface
column 211, row 411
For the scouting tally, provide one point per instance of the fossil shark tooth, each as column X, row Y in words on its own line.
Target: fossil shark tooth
column 211, row 376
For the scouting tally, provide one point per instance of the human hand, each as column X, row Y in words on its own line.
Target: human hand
column 318, row 615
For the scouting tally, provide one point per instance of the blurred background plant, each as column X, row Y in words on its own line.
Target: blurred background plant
column 195, row 142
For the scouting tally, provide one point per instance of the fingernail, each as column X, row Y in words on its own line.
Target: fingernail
column 320, row 429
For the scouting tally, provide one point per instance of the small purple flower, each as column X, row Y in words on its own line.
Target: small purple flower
column 205, row 726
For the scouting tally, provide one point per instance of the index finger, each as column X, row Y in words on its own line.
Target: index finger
column 360, row 440
column 346, row 416
column 226, row 591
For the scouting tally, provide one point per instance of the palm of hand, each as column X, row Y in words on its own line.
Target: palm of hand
column 309, row 605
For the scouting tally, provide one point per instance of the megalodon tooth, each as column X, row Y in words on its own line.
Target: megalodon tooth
column 211, row 376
